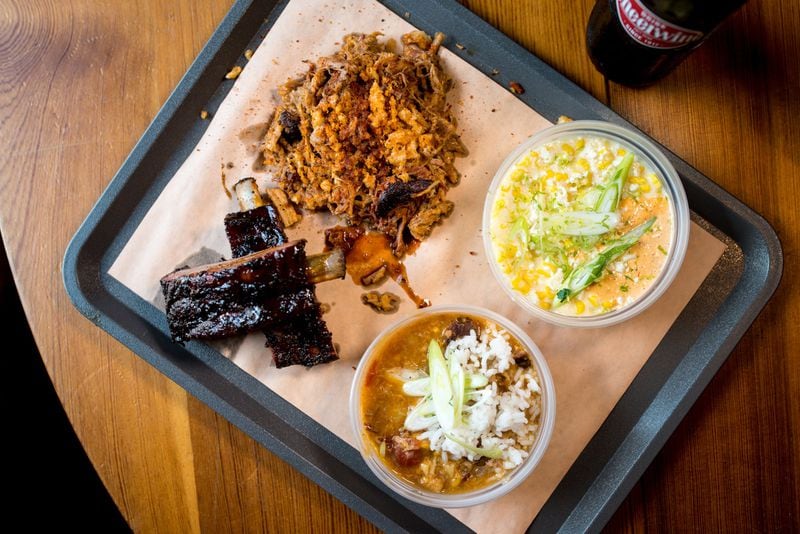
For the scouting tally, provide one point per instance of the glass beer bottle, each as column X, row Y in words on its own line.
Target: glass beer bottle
column 636, row 42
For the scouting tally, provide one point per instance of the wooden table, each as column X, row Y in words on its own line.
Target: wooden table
column 81, row 79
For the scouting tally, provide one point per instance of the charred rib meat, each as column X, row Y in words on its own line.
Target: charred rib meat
column 301, row 339
column 253, row 230
column 239, row 295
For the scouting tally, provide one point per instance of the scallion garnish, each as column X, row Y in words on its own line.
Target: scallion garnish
column 588, row 273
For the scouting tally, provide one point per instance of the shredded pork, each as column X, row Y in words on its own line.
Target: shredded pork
column 368, row 134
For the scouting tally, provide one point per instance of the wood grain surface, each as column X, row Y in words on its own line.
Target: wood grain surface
column 81, row 79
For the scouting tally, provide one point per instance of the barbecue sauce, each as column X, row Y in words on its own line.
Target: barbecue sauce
column 372, row 251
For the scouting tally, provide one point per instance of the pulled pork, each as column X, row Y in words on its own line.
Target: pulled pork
column 367, row 134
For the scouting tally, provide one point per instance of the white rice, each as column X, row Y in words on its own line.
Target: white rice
column 495, row 420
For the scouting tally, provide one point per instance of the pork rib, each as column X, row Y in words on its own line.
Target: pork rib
column 253, row 230
column 305, row 340
column 301, row 340
column 239, row 295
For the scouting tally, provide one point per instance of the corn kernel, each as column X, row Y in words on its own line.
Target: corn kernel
column 561, row 176
column 550, row 265
column 580, row 143
column 583, row 164
column 621, row 152
column 545, row 294
column 529, row 276
column 593, row 300
column 645, row 187
column 580, row 307
column 542, row 272
column 653, row 179
column 568, row 150
column 608, row 304
column 519, row 284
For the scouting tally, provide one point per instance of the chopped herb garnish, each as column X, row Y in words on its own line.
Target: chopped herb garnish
column 609, row 198
column 586, row 274
column 661, row 249
column 563, row 160
column 623, row 288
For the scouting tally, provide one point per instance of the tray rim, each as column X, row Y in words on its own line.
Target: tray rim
column 763, row 261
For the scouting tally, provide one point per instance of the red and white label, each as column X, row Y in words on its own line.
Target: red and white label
column 651, row 30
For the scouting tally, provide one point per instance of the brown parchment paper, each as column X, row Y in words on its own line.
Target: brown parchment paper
column 591, row 368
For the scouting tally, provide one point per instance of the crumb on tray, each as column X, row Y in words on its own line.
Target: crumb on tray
column 233, row 73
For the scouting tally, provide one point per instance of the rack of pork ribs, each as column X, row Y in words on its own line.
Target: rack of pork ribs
column 267, row 286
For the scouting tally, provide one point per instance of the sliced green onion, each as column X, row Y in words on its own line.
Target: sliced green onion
column 445, row 392
column 471, row 395
column 581, row 223
column 480, row 451
column 586, row 274
column 476, row 381
column 421, row 417
column 589, row 198
column 609, row 198
column 422, row 386
column 441, row 386
column 417, row 388
column 458, row 381
column 405, row 375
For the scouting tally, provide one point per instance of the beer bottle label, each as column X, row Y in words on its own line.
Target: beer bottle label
column 652, row 31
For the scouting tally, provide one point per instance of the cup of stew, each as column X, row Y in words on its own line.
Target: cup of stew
column 452, row 406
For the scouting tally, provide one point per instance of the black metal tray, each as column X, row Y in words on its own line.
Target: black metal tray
column 693, row 350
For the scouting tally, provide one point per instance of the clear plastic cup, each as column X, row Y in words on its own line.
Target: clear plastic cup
column 456, row 500
column 645, row 151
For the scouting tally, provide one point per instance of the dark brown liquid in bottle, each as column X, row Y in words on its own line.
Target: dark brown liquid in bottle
column 624, row 60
